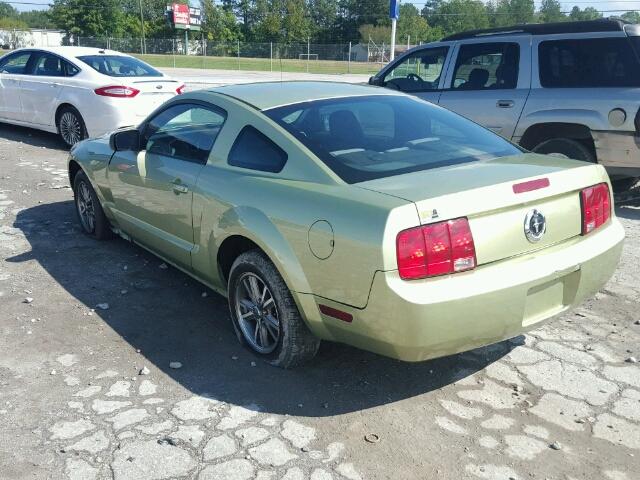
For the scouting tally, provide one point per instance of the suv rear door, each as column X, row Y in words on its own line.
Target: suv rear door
column 489, row 82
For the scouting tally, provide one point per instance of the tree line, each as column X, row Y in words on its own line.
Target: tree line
column 292, row 21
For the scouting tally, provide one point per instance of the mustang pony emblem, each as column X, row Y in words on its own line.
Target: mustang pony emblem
column 535, row 225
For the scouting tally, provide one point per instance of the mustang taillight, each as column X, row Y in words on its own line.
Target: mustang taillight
column 180, row 89
column 596, row 207
column 435, row 249
column 119, row 91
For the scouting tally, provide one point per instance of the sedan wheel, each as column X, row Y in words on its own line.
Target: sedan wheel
column 257, row 313
column 71, row 126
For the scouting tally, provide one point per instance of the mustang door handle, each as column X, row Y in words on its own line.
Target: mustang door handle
column 505, row 103
column 179, row 188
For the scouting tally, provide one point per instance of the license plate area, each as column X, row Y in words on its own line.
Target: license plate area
column 550, row 298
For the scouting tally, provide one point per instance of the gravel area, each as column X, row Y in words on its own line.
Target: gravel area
column 115, row 366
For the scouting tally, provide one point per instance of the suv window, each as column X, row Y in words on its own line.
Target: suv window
column 487, row 66
column 184, row 131
column 417, row 72
column 52, row 66
column 254, row 150
column 16, row 63
column 583, row 63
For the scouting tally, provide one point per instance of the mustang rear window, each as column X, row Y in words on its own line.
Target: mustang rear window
column 120, row 66
column 369, row 137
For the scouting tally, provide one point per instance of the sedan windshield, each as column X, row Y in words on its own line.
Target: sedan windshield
column 120, row 66
column 378, row 136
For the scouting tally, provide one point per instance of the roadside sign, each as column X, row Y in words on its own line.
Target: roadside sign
column 394, row 9
column 180, row 14
column 184, row 17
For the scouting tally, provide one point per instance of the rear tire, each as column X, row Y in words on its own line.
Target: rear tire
column 71, row 126
column 271, row 326
column 567, row 147
column 90, row 214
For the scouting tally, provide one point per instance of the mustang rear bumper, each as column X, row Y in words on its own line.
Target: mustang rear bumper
column 422, row 319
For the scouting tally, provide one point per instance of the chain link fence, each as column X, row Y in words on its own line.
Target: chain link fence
column 354, row 58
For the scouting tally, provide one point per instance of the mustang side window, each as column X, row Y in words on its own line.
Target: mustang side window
column 487, row 66
column 184, row 131
column 255, row 151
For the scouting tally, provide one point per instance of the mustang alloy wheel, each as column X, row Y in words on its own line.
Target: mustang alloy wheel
column 264, row 313
column 71, row 126
column 257, row 313
column 90, row 214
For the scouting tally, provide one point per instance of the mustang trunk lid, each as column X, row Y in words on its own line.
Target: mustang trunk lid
column 484, row 193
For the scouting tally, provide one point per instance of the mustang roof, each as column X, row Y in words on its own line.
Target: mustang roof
column 275, row 94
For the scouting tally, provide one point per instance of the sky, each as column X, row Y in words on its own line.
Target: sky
column 567, row 5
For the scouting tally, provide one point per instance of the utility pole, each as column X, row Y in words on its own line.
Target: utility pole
column 394, row 13
column 393, row 39
column 142, row 41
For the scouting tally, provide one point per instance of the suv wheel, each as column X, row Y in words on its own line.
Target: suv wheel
column 264, row 314
column 567, row 147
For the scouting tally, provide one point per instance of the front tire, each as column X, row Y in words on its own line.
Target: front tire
column 264, row 314
column 567, row 147
column 90, row 214
column 71, row 126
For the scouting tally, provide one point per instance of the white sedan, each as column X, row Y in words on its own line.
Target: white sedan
column 79, row 92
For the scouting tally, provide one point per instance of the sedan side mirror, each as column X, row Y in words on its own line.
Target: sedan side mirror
column 123, row 140
column 372, row 81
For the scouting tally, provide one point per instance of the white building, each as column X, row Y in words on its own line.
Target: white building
column 36, row 37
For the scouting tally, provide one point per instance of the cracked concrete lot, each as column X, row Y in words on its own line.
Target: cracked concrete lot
column 88, row 331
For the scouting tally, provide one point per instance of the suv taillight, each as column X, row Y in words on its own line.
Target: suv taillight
column 119, row 91
column 435, row 249
column 596, row 207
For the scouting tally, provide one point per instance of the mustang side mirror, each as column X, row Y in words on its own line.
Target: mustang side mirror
column 125, row 140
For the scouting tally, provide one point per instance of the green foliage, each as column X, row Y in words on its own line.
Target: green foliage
column 513, row 12
column 449, row 20
column 293, row 21
column 633, row 17
column 551, row 11
column 220, row 24
column 378, row 34
column 12, row 23
column 588, row 13
column 85, row 18
column 7, row 11
column 411, row 24
column 37, row 19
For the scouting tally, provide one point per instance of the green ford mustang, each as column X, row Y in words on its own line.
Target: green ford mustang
column 353, row 214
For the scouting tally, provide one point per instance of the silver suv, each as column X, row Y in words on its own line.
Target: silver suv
column 568, row 88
